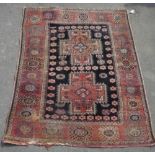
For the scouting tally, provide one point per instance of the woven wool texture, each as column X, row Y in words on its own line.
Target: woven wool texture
column 78, row 82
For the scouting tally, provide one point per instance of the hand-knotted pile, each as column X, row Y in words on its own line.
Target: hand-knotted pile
column 78, row 82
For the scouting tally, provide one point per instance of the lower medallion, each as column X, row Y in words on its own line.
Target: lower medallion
column 82, row 93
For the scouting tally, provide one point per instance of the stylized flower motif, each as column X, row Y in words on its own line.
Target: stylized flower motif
column 111, row 73
column 53, row 31
column 49, row 108
column 98, row 27
column 126, row 63
column 52, row 73
column 135, row 132
column 66, row 68
column 114, row 96
column 82, row 117
column 62, row 63
column 51, row 81
column 30, row 87
column 55, row 116
column 50, row 95
column 53, row 44
column 66, row 16
column 90, row 118
column 80, row 27
column 80, row 132
column 86, row 27
column 52, row 63
column 113, row 88
column 131, row 90
column 74, row 68
column 81, row 68
column 98, row 35
column 102, row 67
column 134, row 117
column 109, row 55
column 32, row 76
column 104, row 29
column 64, row 117
column 114, row 103
column 59, row 68
column 108, row 49
column 109, row 61
column 117, row 18
column 53, row 38
column 103, row 75
column 60, row 76
column 82, row 92
column 92, row 27
column 26, row 112
column 35, row 19
column 73, row 27
column 133, row 104
column 109, row 133
column 61, row 35
column 112, row 80
column 106, row 118
column 95, row 67
column 73, row 117
column 28, row 100
column 51, row 69
column 123, row 51
column 88, row 67
column 99, row 56
column 113, row 110
column 110, row 67
column 114, row 118
column 106, row 37
column 53, row 57
column 52, row 50
column 35, row 40
column 50, row 102
column 98, row 118
column 25, row 129
column 67, row 27
column 80, row 47
column 101, row 62
column 47, row 116
column 34, row 52
column 61, row 28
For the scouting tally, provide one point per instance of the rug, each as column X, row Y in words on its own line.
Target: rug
column 78, row 82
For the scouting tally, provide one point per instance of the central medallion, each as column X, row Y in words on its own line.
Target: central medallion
column 82, row 92
column 81, row 47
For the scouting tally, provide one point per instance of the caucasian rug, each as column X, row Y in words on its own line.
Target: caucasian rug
column 78, row 82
